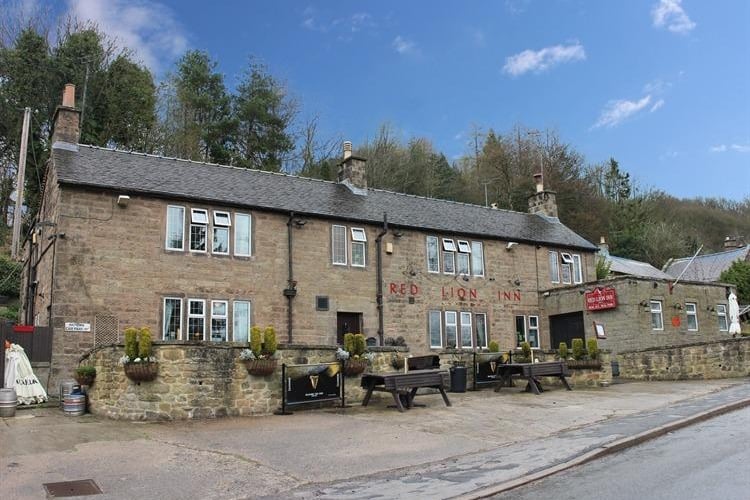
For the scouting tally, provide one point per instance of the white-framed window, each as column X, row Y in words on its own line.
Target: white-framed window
column 198, row 229
column 577, row 269
column 462, row 258
column 721, row 314
column 467, row 332
column 477, row 258
column 463, row 246
column 691, row 311
column 338, row 245
column 241, row 320
column 554, row 268
column 222, row 222
column 172, row 321
column 196, row 319
column 449, row 256
column 359, row 246
column 433, row 255
column 481, row 329
column 527, row 330
column 566, row 267
column 657, row 322
column 435, row 327
column 451, row 328
column 242, row 232
column 175, row 237
column 219, row 314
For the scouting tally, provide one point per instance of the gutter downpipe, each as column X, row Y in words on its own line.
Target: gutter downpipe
column 291, row 290
column 379, row 287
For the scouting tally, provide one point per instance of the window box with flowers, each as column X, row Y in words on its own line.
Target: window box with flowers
column 138, row 362
column 260, row 359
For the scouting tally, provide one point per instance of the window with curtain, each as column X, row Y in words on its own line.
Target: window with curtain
column 172, row 326
column 241, row 321
column 175, row 228
column 242, row 226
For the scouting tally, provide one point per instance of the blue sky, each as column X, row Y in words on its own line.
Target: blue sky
column 663, row 86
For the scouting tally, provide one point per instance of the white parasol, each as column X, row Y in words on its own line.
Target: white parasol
column 20, row 376
column 734, row 314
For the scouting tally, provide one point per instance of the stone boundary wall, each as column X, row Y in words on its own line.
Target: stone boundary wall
column 706, row 360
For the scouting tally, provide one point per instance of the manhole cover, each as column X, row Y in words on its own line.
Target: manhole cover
column 72, row 488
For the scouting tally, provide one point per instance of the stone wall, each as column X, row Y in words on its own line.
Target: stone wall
column 707, row 360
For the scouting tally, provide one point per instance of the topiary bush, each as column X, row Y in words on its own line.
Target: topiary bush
column 349, row 343
column 563, row 350
column 494, row 347
column 269, row 341
column 360, row 344
column 256, row 341
column 577, row 349
column 592, row 347
column 144, row 343
column 131, row 342
column 526, row 349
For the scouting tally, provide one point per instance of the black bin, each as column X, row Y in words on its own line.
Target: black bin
column 458, row 379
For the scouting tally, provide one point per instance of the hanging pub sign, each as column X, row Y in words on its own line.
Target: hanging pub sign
column 311, row 383
column 601, row 298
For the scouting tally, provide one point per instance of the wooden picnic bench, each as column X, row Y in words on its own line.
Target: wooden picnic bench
column 531, row 372
column 403, row 386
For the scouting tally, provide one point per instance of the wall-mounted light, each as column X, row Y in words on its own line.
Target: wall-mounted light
column 510, row 245
column 398, row 234
column 300, row 222
column 123, row 200
column 643, row 303
column 677, row 306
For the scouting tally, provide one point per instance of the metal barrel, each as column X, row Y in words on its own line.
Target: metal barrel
column 8, row 402
column 67, row 387
column 74, row 405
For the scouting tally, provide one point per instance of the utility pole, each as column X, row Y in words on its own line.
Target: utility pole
column 16, row 243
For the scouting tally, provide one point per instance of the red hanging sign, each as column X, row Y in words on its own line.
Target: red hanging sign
column 601, row 298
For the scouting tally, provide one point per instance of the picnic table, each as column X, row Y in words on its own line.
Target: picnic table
column 531, row 372
column 403, row 386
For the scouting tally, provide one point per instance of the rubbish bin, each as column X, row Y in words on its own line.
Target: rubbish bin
column 458, row 379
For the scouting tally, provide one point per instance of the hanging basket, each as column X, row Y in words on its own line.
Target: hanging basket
column 354, row 367
column 141, row 372
column 85, row 379
column 260, row 367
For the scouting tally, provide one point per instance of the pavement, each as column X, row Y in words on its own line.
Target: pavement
column 484, row 444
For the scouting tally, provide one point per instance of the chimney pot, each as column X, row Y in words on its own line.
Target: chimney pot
column 539, row 182
column 347, row 149
column 69, row 96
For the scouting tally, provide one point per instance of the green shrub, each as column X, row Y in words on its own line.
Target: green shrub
column 360, row 344
column 494, row 347
column 144, row 343
column 563, row 350
column 593, row 348
column 9, row 312
column 10, row 284
column 256, row 341
column 269, row 341
column 131, row 343
column 86, row 371
column 349, row 343
column 578, row 349
column 526, row 349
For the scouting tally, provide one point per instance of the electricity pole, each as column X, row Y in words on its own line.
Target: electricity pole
column 14, row 252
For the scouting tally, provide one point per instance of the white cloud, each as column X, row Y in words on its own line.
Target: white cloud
column 404, row 46
column 343, row 27
column 723, row 148
column 658, row 104
column 618, row 110
column 741, row 148
column 718, row 149
column 150, row 29
column 544, row 59
column 670, row 14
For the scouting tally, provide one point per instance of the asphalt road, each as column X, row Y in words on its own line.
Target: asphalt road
column 709, row 460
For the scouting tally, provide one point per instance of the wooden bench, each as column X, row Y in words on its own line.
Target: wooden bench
column 531, row 372
column 404, row 384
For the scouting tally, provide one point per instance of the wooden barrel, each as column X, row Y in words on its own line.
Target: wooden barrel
column 74, row 405
column 68, row 387
column 8, row 402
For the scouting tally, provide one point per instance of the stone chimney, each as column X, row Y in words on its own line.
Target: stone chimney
column 352, row 171
column 542, row 202
column 733, row 242
column 66, row 125
column 603, row 247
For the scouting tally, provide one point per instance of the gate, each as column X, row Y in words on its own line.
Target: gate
column 35, row 340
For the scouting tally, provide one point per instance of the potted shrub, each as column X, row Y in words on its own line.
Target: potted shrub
column 353, row 354
column 493, row 346
column 563, row 351
column 260, row 359
column 525, row 356
column 85, row 374
column 138, row 362
column 582, row 359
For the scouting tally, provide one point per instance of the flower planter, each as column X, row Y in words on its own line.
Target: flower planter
column 141, row 372
column 584, row 364
column 260, row 367
column 85, row 379
column 354, row 367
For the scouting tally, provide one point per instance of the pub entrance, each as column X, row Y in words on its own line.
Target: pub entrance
column 347, row 322
column 565, row 328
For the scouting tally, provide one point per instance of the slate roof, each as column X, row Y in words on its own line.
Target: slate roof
column 218, row 184
column 707, row 267
column 621, row 265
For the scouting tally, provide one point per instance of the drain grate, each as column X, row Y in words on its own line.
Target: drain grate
column 72, row 488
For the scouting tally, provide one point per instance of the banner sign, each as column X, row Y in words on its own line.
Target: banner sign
column 601, row 298
column 312, row 383
column 485, row 367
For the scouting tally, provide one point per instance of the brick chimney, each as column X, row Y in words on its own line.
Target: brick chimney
column 66, row 125
column 542, row 202
column 352, row 171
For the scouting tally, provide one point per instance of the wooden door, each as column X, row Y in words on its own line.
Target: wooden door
column 347, row 322
column 565, row 328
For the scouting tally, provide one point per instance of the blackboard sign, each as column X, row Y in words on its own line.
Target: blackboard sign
column 485, row 367
column 312, row 383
